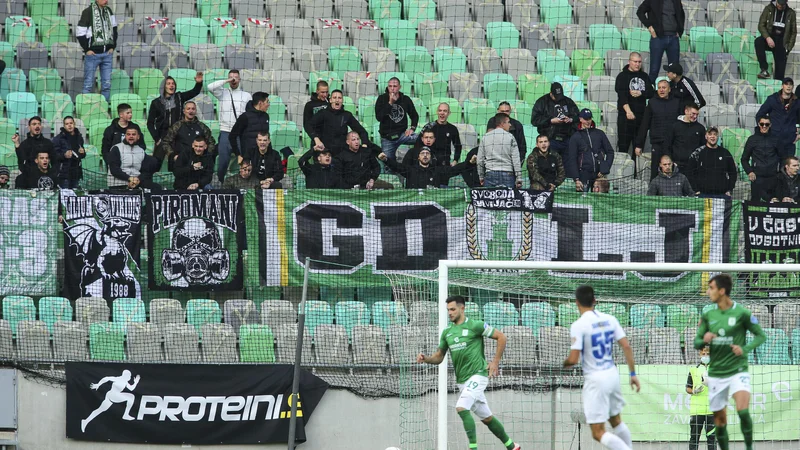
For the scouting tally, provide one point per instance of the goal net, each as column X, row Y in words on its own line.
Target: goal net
column 539, row 402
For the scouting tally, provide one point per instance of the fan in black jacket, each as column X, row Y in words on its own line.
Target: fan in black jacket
column 318, row 102
column 167, row 108
column 38, row 175
column 517, row 130
column 359, row 166
column 470, row 176
column 253, row 121
column 195, row 168
column 68, row 146
column 329, row 127
column 684, row 137
column 115, row 133
column 658, row 117
column 683, row 88
column 424, row 174
column 556, row 116
column 267, row 166
column 322, row 174
column 761, row 160
column 28, row 149
column 711, row 169
column 787, row 189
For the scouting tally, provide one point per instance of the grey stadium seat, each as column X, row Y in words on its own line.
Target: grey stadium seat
column 205, row 107
column 520, row 350
column 311, row 58
column 273, row 57
column 347, row 10
column 747, row 115
column 240, row 312
column 181, row 343
column 380, row 59
column 67, row 59
column 248, row 8
column 664, row 345
column 91, row 309
column 719, row 115
column 127, row 30
column 637, row 337
column 205, row 57
column 454, row 11
column 295, row 33
column 464, row 86
column 33, row 340
column 11, row 8
column 520, row 12
column 219, row 343
column 434, row 33
column 487, row 12
column 359, row 84
column 721, row 67
column 240, row 56
column 518, row 61
column 259, row 35
column 144, row 342
column 589, row 12
column 601, row 89
column 469, row 35
column 330, row 342
column 738, row 92
column 693, row 67
column 406, row 342
column 722, row 15
column 552, row 342
column 134, row 55
column 31, row 55
column 710, row 91
column 170, row 56
column 571, row 37
column 536, row 36
column 157, row 33
column 166, row 311
column 369, row 345
column 282, row 9
column 623, row 13
column 6, row 344
column 69, row 341
column 286, row 337
column 365, row 37
column 316, row 9
column 469, row 137
column 423, row 314
column 787, row 317
column 275, row 313
column 329, row 36
column 695, row 15
column 179, row 8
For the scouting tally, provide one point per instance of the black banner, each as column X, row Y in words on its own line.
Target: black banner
column 772, row 236
column 195, row 240
column 102, row 242
column 508, row 199
column 187, row 403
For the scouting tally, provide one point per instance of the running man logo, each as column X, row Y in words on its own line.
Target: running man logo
column 114, row 395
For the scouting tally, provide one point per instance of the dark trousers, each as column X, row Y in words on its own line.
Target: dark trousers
column 779, row 52
column 626, row 131
column 658, row 45
column 696, row 424
column 655, row 159
column 559, row 147
column 762, row 188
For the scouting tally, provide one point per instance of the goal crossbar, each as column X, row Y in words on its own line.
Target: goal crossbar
column 589, row 266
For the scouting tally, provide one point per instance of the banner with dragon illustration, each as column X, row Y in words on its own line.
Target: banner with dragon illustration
column 358, row 237
column 102, row 243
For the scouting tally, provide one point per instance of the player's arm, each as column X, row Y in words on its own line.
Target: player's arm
column 628, row 351
column 759, row 337
column 690, row 385
column 573, row 358
column 703, row 336
column 498, row 336
column 436, row 358
column 576, row 347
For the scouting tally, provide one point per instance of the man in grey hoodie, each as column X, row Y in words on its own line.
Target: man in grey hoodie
column 670, row 182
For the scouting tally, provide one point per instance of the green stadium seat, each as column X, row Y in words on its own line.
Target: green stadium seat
column 604, row 37
column 317, row 313
column 646, row 316
column 422, row 110
column 387, row 314
column 191, row 30
column 536, row 315
column 21, row 105
column 277, row 108
column 128, row 310
column 20, row 29
column 738, row 42
column 184, row 78
column 592, row 106
column 776, row 349
column 383, row 10
column 147, row 81
column 500, row 314
column 682, row 317
column 349, row 105
column 256, row 344
column 44, row 80
column 226, row 31
column 52, row 29
column 132, row 99
column 532, row 86
column 17, row 308
column 351, row 313
column 478, row 111
column 636, row 39
column 120, row 82
column 449, row 60
column 107, row 341
column 567, row 312
column 734, row 139
column 95, row 127
column 501, row 36
column 499, row 87
column 414, row 59
column 344, row 58
column 91, row 106
column 13, row 80
column 417, row 11
column 8, row 157
column 573, row 86
column 429, row 86
column 399, row 34
column 333, row 78
column 555, row 12
column 471, row 309
column 749, row 67
column 765, row 88
column 615, row 309
column 456, row 114
column 552, row 63
column 704, row 40
column 54, row 309
column 585, row 63
column 284, row 134
column 202, row 311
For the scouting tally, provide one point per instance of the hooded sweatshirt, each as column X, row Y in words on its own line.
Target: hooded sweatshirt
column 673, row 185
column 246, row 129
column 394, row 117
column 712, row 170
column 682, row 139
column 312, row 107
column 761, row 155
column 633, row 81
column 114, row 134
column 165, row 112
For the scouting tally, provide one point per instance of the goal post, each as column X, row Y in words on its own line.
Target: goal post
column 550, row 286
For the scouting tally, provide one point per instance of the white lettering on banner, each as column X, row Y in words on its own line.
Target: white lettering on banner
column 782, row 391
column 23, row 211
column 680, row 402
column 197, row 408
column 23, row 250
column 779, row 224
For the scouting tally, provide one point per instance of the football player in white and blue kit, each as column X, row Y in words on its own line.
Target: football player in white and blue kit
column 593, row 336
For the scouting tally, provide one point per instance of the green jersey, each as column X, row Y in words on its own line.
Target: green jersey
column 730, row 326
column 465, row 342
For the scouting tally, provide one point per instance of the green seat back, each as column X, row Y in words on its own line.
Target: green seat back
column 147, row 81
column 567, row 313
column 351, row 313
column 317, row 313
column 389, row 314
column 646, row 316
column 56, row 106
column 52, row 29
column 127, row 310
column 107, row 341
column 586, row 62
column 256, row 344
column 555, row 12
column 414, row 59
column 91, row 106
column 501, row 36
column 202, row 311
column 500, row 314
column 21, row 105
column 17, row 308
column 447, row 60
column 776, row 349
column 54, row 309
column 20, row 29
column 615, row 309
column 604, row 37
column 344, row 58
column 398, row 34
column 532, row 86
column 636, row 39
column 226, row 31
column 499, row 87
column 536, row 315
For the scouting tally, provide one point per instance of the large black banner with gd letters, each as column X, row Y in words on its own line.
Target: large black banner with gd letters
column 187, row 403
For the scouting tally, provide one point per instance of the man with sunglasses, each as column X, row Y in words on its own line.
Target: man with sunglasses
column 761, row 160
column 783, row 108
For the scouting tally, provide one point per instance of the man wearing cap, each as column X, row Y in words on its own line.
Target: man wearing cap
column 683, row 88
column 555, row 116
column 711, row 169
column 778, row 31
column 322, row 174
column 760, row 161
column 658, row 118
column 664, row 19
column 684, row 137
column 590, row 154
column 498, row 156
column 5, row 174
column 784, row 109
column 633, row 88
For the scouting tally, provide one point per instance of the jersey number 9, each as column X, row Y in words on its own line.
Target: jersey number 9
column 602, row 344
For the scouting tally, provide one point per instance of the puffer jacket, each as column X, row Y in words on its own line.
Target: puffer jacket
column 546, row 109
column 658, row 117
column 787, row 186
column 589, row 152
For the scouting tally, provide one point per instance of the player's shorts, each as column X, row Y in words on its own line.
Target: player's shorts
column 471, row 396
column 721, row 389
column 602, row 396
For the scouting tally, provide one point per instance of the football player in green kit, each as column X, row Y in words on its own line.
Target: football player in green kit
column 464, row 338
column 724, row 328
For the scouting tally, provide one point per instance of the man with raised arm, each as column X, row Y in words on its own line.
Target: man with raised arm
column 464, row 338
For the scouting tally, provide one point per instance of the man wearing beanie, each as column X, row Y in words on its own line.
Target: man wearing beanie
column 5, row 174
column 590, row 154
column 683, row 88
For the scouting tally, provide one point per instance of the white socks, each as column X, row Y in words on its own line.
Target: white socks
column 624, row 433
column 613, row 442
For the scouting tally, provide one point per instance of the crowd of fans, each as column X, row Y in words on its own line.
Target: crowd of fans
column 686, row 158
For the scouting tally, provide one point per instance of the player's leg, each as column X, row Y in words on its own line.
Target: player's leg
column 711, row 439
column 596, row 404
column 481, row 409
column 615, row 405
column 609, row 440
column 717, row 402
column 740, row 386
column 621, row 430
column 463, row 407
